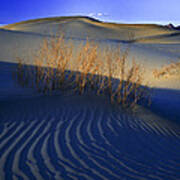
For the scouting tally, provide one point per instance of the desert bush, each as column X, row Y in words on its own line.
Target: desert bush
column 105, row 72
column 20, row 72
column 50, row 65
column 128, row 89
column 88, row 67
column 172, row 69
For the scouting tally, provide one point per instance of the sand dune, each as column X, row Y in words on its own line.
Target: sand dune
column 71, row 137
column 30, row 32
column 83, row 26
column 172, row 38
column 151, row 45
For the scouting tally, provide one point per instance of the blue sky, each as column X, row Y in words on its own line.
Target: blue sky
column 130, row 11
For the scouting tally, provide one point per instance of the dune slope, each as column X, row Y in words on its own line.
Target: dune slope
column 151, row 45
column 84, row 26
column 71, row 137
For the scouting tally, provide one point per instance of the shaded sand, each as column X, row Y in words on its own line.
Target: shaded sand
column 84, row 137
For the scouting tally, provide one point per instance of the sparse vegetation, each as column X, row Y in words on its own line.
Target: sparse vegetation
column 167, row 71
column 102, row 72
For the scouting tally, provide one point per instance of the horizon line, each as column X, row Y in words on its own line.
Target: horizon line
column 176, row 23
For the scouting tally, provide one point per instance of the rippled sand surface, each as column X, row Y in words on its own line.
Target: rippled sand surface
column 85, row 138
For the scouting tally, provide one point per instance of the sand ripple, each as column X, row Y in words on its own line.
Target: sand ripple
column 86, row 141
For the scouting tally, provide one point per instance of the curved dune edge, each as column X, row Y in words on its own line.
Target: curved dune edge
column 85, row 138
column 80, row 26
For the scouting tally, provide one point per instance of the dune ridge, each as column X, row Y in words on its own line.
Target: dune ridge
column 86, row 26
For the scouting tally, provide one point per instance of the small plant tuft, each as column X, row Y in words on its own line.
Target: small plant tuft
column 172, row 69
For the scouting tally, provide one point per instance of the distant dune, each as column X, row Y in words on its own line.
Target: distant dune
column 81, row 27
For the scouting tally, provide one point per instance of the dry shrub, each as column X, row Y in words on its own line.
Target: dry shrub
column 88, row 67
column 23, row 73
column 49, row 65
column 20, row 72
column 128, row 90
column 104, row 72
column 172, row 69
